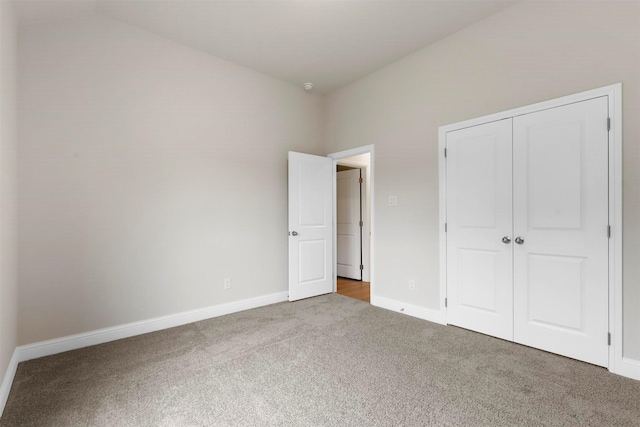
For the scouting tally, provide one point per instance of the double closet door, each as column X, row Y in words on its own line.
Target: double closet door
column 527, row 229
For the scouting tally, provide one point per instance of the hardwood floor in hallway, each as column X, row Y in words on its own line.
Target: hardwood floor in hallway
column 354, row 289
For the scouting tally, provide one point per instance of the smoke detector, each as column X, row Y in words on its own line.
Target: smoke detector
column 308, row 86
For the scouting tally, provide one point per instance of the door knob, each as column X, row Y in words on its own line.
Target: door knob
column 519, row 240
column 506, row 240
column 294, row 233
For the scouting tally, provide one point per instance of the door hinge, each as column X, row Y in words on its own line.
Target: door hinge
column 360, row 180
column 361, row 223
column 609, row 231
column 361, row 267
column 608, row 123
column 609, row 338
column 445, row 152
column 445, row 302
column 445, row 227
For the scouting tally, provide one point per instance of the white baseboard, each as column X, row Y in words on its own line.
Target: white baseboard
column 100, row 336
column 86, row 339
column 629, row 368
column 431, row 315
column 7, row 381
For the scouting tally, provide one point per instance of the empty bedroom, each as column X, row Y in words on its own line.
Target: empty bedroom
column 173, row 229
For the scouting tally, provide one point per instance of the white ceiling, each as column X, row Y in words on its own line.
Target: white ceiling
column 328, row 42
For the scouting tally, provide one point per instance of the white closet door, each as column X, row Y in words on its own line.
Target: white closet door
column 479, row 263
column 560, row 192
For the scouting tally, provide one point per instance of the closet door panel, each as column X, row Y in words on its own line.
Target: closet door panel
column 479, row 264
column 560, row 195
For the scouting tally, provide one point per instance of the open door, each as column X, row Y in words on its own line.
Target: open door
column 310, row 226
column 349, row 224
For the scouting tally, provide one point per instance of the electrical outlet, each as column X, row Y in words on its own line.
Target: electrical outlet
column 227, row 283
column 412, row 285
column 393, row 201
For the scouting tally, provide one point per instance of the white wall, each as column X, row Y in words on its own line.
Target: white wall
column 8, row 276
column 148, row 172
column 533, row 51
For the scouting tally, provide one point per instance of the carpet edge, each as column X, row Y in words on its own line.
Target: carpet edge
column 431, row 315
column 100, row 336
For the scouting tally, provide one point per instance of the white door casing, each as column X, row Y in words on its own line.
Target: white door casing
column 349, row 236
column 560, row 196
column 311, row 231
column 479, row 263
column 367, row 164
column 560, row 216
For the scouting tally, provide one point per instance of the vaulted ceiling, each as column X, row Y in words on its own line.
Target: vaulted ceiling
column 330, row 43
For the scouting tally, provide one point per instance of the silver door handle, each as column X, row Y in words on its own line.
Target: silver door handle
column 519, row 240
column 506, row 240
column 294, row 233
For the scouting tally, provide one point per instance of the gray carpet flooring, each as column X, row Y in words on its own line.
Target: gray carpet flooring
column 325, row 361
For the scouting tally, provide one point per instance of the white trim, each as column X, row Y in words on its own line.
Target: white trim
column 352, row 152
column 357, row 165
column 428, row 314
column 7, row 380
column 343, row 155
column 629, row 368
column 610, row 90
column 99, row 336
column 366, row 229
column 366, row 210
column 616, row 320
column 442, row 206
column 617, row 364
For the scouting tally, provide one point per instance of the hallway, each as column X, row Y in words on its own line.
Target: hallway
column 354, row 289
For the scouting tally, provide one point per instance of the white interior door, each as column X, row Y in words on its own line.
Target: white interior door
column 349, row 235
column 479, row 263
column 310, row 225
column 561, row 214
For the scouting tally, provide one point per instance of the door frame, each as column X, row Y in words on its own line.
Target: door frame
column 617, row 363
column 370, row 175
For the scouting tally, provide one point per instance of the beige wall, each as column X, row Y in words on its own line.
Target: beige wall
column 8, row 277
column 148, row 172
column 531, row 52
